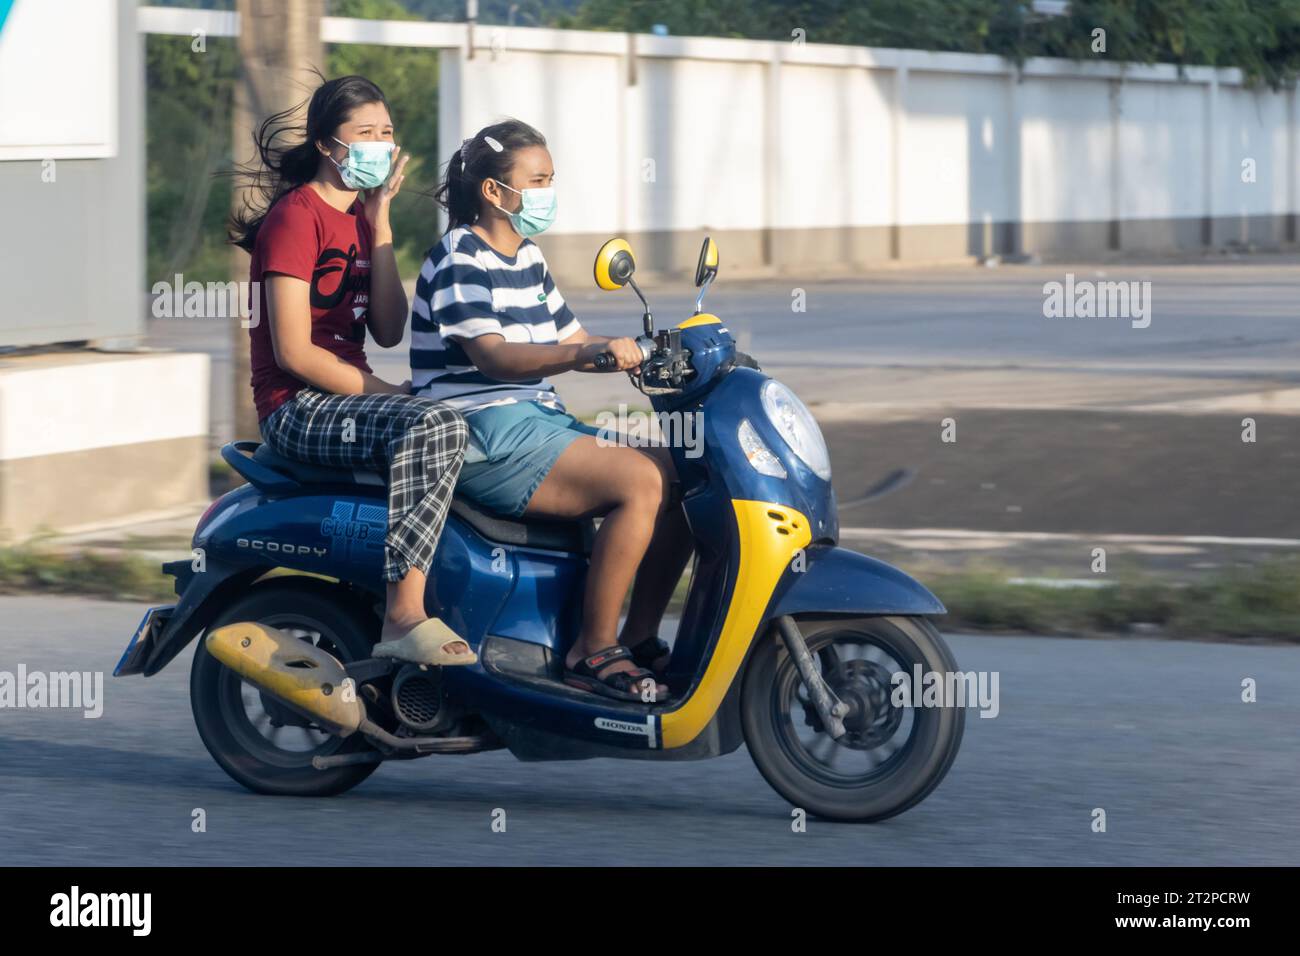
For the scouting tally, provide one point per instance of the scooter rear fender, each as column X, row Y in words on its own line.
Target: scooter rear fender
column 200, row 593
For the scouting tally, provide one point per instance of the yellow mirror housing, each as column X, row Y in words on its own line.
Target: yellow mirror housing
column 614, row 265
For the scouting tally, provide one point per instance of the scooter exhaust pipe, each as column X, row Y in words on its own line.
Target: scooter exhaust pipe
column 296, row 673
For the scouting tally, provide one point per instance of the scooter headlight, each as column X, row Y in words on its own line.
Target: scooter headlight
column 760, row 456
column 797, row 426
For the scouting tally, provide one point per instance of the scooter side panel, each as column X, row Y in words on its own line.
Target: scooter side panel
column 481, row 587
column 336, row 535
column 477, row 586
column 840, row 581
column 545, row 602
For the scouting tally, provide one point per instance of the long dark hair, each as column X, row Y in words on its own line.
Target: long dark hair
column 286, row 166
column 476, row 161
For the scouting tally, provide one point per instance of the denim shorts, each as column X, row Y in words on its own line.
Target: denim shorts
column 511, row 450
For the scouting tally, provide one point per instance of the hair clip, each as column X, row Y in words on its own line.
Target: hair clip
column 493, row 143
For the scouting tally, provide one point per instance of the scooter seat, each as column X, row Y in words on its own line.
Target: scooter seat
column 310, row 474
column 573, row 536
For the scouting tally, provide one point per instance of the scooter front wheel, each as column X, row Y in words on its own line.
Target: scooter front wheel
column 890, row 757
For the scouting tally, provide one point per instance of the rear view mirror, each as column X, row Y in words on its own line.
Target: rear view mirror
column 706, row 270
column 614, row 265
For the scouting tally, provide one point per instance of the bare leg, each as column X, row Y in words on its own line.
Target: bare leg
column 661, row 569
column 629, row 489
column 405, row 608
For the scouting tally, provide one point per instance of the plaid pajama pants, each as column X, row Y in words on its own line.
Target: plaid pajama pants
column 420, row 443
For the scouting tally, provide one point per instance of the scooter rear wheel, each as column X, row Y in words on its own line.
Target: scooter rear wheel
column 255, row 740
column 890, row 758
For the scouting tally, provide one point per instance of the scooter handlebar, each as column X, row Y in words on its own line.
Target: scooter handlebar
column 605, row 361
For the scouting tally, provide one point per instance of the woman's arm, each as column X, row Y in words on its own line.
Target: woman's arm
column 289, row 303
column 388, row 307
column 524, row 361
column 583, row 336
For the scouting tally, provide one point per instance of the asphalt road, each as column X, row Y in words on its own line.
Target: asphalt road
column 1152, row 732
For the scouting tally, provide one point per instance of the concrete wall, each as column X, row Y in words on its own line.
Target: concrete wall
column 88, row 438
column 85, row 437
column 73, row 267
column 825, row 156
column 799, row 156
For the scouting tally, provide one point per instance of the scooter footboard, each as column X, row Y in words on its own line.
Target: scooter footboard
column 839, row 581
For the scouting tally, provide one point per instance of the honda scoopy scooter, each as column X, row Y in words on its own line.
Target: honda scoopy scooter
column 786, row 642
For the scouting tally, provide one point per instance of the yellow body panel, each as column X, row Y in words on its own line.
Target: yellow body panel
column 704, row 318
column 770, row 535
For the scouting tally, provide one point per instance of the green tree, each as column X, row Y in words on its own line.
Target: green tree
column 1262, row 37
column 188, row 104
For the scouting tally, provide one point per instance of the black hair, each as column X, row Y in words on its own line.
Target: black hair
column 476, row 161
column 284, row 167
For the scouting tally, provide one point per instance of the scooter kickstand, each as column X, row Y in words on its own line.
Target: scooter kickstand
column 829, row 707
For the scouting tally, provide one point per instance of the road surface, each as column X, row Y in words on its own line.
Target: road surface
column 1152, row 732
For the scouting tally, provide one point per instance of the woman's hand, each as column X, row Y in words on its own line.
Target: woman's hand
column 626, row 352
column 402, row 389
column 378, row 199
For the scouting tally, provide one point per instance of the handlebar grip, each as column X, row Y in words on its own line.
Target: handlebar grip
column 605, row 360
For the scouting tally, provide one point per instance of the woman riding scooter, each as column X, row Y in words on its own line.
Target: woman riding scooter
column 488, row 326
column 324, row 268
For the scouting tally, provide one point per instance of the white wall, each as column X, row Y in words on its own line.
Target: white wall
column 751, row 136
column 774, row 137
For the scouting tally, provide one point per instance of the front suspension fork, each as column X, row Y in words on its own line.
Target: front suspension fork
column 830, row 709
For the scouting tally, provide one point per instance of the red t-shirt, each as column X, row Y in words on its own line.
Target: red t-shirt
column 305, row 237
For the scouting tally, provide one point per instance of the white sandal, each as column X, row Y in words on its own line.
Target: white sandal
column 427, row 643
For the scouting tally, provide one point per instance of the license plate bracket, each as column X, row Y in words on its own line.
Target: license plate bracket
column 143, row 640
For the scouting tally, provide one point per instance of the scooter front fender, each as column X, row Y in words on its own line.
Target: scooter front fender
column 839, row 581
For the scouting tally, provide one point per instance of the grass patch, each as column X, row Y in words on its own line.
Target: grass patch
column 1262, row 601
column 120, row 577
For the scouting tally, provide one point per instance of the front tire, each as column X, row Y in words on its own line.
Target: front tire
column 255, row 740
column 891, row 758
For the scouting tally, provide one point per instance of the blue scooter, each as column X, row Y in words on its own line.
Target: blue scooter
column 786, row 642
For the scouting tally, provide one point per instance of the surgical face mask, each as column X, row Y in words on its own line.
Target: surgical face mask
column 536, row 210
column 368, row 164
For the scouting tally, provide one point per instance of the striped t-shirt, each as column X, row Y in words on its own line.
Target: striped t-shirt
column 467, row 289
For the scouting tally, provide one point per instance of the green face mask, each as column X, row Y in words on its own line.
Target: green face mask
column 367, row 165
column 536, row 211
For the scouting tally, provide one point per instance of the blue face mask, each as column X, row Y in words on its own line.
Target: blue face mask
column 536, row 211
column 368, row 164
